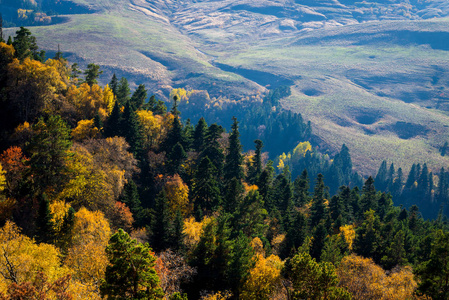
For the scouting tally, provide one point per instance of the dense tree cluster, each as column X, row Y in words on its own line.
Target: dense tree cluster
column 104, row 194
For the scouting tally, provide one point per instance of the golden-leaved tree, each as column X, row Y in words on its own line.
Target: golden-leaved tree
column 90, row 99
column 87, row 257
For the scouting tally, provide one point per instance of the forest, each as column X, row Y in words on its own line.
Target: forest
column 108, row 194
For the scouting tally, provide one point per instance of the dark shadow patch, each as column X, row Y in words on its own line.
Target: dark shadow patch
column 168, row 63
column 260, row 77
column 312, row 92
column 367, row 117
column 405, row 130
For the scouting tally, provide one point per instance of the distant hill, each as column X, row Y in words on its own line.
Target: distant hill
column 371, row 74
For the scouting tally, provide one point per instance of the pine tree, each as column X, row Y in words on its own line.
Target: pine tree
column 233, row 195
column 178, row 237
column 130, row 273
column 92, row 73
column 213, row 149
column 9, row 42
column 255, row 168
column 174, row 136
column 319, row 238
column 233, row 164
column 24, row 44
column 139, row 96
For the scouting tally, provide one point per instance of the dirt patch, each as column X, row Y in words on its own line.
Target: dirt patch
column 367, row 117
column 405, row 130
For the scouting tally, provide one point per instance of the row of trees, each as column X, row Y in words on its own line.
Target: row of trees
column 99, row 178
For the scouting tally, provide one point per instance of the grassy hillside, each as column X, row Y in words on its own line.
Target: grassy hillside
column 370, row 74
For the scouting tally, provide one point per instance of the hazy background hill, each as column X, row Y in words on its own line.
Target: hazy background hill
column 371, row 74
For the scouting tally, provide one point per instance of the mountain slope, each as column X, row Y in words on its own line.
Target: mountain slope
column 370, row 74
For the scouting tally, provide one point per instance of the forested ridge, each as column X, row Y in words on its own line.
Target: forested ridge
column 109, row 194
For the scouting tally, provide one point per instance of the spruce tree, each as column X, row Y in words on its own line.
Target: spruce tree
column 255, row 169
column 24, row 44
column 112, row 127
column 139, row 96
column 9, row 42
column 369, row 199
column 301, row 188
column 175, row 158
column 178, row 236
column 131, row 130
column 162, row 225
column 233, row 164
column 205, row 190
column 381, row 177
column 113, row 84
column 213, row 149
column 199, row 135
column 123, row 92
column 318, row 209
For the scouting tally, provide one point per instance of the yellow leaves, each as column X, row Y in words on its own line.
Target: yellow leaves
column 348, row 233
column 2, row 179
column 58, row 210
column 87, row 257
column 88, row 100
column 366, row 280
column 257, row 245
column 301, row 150
column 21, row 258
column 264, row 279
column 193, row 230
column 177, row 195
column 6, row 53
column 220, row 295
column 180, row 93
column 85, row 129
column 151, row 127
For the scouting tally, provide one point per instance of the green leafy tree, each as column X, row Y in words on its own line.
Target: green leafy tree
column 131, row 273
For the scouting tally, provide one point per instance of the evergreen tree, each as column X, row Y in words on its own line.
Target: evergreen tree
column 199, row 135
column 187, row 133
column 131, row 130
column 233, row 164
column 65, row 234
column 295, row 235
column 233, row 195
column 240, row 263
column 174, row 136
column 175, row 158
column 112, row 127
column 130, row 273
column 138, row 98
column 213, row 149
column 25, row 44
column 250, row 214
column 75, row 72
column 177, row 243
column 113, row 84
column 130, row 196
column 282, row 193
column 162, row 225
column 369, row 199
column 92, row 73
column 9, row 42
column 255, row 169
column 44, row 224
column 49, row 149
column 381, row 177
column 319, row 238
column 318, row 209
column 123, row 92
column 205, row 189
column 301, row 189
column 152, row 102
